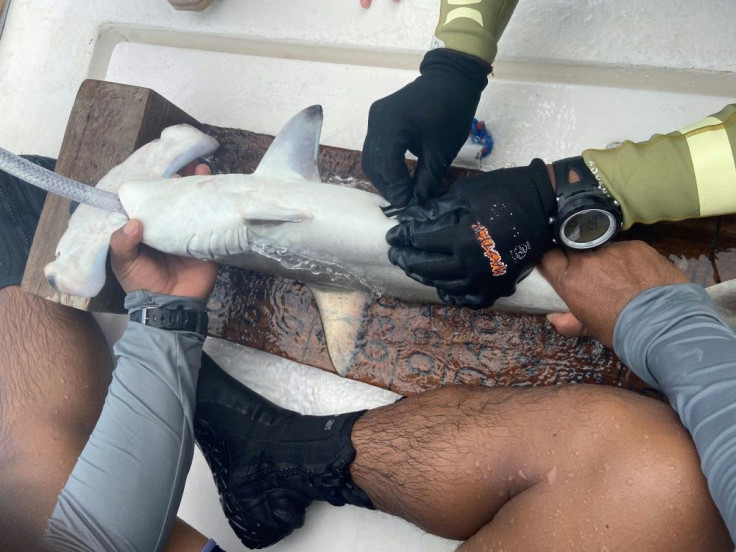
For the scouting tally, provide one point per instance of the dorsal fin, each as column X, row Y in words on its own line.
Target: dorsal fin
column 294, row 150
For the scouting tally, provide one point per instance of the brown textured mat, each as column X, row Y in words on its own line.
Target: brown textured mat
column 410, row 348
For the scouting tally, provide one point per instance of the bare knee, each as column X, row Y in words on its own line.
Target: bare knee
column 602, row 467
column 646, row 458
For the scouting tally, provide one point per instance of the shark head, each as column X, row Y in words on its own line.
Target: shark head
column 80, row 264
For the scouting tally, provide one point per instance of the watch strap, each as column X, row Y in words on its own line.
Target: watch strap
column 587, row 183
column 179, row 319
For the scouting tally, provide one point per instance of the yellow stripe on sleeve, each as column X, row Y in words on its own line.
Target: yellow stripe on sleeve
column 467, row 13
column 714, row 167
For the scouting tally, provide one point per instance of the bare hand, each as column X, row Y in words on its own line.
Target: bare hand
column 138, row 266
column 597, row 285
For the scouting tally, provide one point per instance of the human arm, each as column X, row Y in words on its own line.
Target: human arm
column 667, row 331
column 431, row 116
column 684, row 174
column 125, row 489
column 475, row 242
column 126, row 486
column 687, row 173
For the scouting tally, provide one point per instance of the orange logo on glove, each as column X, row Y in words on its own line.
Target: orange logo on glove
column 498, row 267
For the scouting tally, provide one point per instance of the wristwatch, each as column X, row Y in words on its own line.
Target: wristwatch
column 179, row 319
column 587, row 216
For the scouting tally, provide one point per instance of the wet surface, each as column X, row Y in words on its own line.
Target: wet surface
column 409, row 348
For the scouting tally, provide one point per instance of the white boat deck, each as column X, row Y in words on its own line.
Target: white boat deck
column 571, row 74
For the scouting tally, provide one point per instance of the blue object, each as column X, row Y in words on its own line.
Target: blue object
column 479, row 135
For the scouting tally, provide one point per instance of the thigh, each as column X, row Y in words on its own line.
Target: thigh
column 631, row 481
column 55, row 367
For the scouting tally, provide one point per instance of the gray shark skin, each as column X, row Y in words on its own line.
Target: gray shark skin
column 279, row 220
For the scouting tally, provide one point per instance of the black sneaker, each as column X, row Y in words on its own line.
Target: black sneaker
column 269, row 463
column 20, row 208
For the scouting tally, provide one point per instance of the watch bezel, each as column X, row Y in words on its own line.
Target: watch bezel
column 585, row 195
column 612, row 230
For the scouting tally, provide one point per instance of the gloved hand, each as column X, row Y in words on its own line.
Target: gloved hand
column 431, row 118
column 475, row 242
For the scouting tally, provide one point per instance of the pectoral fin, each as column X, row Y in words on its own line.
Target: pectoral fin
column 254, row 212
column 342, row 319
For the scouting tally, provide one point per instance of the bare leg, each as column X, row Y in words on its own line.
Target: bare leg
column 54, row 370
column 55, row 367
column 578, row 467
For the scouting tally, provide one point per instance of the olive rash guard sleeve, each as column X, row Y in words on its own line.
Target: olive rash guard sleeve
column 125, row 489
column 684, row 174
column 672, row 338
column 473, row 26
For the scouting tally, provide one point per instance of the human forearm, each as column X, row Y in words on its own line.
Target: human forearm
column 672, row 338
column 684, row 174
column 126, row 486
column 473, row 27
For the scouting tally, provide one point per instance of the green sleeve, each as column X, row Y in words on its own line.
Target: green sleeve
column 684, row 174
column 473, row 26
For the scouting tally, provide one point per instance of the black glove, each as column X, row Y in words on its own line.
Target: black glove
column 475, row 242
column 431, row 118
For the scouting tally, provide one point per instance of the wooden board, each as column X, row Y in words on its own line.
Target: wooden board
column 108, row 122
column 402, row 347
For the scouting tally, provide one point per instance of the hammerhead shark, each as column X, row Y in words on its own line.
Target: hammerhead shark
column 280, row 220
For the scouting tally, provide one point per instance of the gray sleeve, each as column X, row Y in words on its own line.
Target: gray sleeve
column 125, row 489
column 672, row 338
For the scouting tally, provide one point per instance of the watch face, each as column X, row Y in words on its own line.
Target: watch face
column 588, row 228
